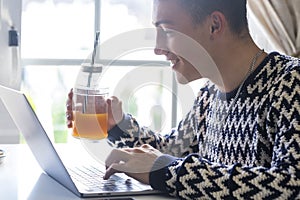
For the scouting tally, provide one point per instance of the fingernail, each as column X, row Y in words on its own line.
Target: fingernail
column 105, row 177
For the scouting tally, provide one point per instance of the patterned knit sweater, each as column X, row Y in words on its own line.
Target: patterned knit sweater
column 253, row 154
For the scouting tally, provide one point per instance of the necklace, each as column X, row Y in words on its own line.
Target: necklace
column 257, row 55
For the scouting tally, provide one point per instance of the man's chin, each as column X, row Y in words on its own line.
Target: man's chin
column 181, row 79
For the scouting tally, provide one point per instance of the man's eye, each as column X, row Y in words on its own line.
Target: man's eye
column 169, row 33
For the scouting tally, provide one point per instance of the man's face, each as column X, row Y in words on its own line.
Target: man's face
column 178, row 38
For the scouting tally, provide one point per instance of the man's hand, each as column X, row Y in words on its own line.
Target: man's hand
column 69, row 112
column 135, row 162
column 115, row 112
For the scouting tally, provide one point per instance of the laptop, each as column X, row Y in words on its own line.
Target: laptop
column 72, row 177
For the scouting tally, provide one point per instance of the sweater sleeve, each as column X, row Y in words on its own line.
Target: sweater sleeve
column 128, row 133
column 194, row 177
column 180, row 141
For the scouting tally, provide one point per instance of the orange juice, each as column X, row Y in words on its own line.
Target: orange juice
column 90, row 126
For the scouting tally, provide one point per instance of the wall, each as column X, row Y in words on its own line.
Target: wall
column 10, row 15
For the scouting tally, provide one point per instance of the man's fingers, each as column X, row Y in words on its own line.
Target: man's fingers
column 135, row 162
column 114, row 168
column 116, row 156
column 70, row 95
column 69, row 124
column 135, row 150
column 115, row 113
column 69, row 111
column 113, row 101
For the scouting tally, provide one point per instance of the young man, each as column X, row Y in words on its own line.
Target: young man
column 241, row 138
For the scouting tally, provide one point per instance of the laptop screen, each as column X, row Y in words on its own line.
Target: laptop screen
column 37, row 139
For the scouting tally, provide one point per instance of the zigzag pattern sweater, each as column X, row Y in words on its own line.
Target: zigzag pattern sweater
column 254, row 154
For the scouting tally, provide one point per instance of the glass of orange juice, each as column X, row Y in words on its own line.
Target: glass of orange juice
column 90, row 113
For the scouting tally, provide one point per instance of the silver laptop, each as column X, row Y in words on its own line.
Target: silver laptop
column 83, row 180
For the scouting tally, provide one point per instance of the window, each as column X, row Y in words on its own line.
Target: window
column 57, row 29
column 58, row 35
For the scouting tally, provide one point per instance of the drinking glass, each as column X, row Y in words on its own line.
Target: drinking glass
column 90, row 113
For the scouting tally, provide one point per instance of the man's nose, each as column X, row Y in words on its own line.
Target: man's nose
column 161, row 43
column 160, row 51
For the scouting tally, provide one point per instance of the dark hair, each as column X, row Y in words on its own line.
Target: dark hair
column 234, row 10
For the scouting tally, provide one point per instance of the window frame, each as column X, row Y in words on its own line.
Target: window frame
column 97, row 24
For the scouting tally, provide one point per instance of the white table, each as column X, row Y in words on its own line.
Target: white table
column 22, row 178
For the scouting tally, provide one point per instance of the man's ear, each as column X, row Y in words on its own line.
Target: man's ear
column 217, row 23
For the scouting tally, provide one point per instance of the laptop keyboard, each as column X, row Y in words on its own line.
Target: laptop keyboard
column 92, row 178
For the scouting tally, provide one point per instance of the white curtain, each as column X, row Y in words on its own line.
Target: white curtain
column 275, row 25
